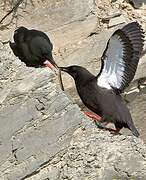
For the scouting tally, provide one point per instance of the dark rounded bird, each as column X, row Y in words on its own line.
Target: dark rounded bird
column 33, row 47
column 102, row 93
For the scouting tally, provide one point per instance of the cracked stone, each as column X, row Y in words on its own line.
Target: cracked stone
column 116, row 21
column 131, row 94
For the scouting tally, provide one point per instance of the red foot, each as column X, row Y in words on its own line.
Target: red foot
column 93, row 116
column 49, row 65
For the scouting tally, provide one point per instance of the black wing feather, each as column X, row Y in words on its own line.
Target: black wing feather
column 121, row 57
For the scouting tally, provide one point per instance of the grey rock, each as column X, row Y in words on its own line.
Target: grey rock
column 36, row 119
column 131, row 94
column 78, row 22
column 67, row 20
column 96, row 154
column 54, row 173
column 137, row 109
column 138, row 4
column 116, row 21
column 114, row 158
column 111, row 15
column 140, row 73
column 143, row 89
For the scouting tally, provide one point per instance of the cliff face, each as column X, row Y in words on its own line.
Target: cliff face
column 95, row 154
column 43, row 134
column 36, row 118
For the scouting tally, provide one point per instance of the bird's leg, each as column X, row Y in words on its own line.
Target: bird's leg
column 105, row 121
column 96, row 118
column 101, row 123
column 93, row 116
column 113, row 131
column 103, row 126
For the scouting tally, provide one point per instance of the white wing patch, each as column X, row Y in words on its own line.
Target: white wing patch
column 114, row 66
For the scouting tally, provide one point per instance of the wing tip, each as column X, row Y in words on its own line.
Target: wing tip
column 131, row 36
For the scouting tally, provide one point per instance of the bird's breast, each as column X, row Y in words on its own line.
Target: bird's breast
column 90, row 96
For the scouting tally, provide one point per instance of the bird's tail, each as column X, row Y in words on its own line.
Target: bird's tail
column 133, row 129
column 125, row 116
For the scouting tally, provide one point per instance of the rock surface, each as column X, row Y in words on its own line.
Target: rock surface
column 37, row 120
column 96, row 154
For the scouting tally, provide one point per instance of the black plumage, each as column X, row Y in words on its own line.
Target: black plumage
column 101, row 93
column 33, row 47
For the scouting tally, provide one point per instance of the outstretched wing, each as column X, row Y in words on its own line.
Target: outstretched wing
column 121, row 57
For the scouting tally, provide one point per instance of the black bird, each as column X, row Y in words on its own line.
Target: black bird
column 33, row 47
column 101, row 93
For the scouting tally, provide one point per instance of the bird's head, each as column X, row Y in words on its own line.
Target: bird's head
column 77, row 72
column 19, row 34
column 20, row 29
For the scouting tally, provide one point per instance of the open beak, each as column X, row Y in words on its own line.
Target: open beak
column 52, row 65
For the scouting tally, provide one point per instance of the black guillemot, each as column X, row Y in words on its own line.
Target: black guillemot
column 33, row 47
column 102, row 93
